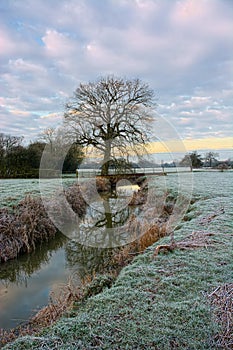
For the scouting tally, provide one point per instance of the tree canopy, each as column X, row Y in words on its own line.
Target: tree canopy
column 193, row 160
column 111, row 115
column 210, row 158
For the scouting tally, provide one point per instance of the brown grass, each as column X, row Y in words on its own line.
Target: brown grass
column 70, row 294
column 102, row 184
column 197, row 239
column 29, row 224
column 147, row 231
column 22, row 229
column 152, row 233
column 222, row 301
column 75, row 198
column 58, row 305
column 140, row 196
column 8, row 336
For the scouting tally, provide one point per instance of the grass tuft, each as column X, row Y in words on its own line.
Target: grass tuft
column 222, row 301
column 22, row 229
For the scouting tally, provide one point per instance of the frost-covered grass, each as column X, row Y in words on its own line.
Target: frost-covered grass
column 159, row 302
column 14, row 190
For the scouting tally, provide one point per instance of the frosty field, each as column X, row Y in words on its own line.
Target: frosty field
column 13, row 190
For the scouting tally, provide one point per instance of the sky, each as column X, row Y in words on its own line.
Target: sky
column 182, row 49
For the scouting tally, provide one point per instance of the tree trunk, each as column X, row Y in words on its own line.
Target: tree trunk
column 108, row 214
column 107, row 155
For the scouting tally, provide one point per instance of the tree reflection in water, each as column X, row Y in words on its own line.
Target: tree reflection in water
column 98, row 235
column 95, row 236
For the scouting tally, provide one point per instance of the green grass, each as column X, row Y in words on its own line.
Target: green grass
column 156, row 303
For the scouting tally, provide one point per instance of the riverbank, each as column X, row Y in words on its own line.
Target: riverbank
column 27, row 223
column 177, row 299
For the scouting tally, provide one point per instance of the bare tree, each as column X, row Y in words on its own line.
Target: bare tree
column 111, row 115
column 7, row 142
column 11, row 150
column 48, row 136
column 61, row 151
column 210, row 158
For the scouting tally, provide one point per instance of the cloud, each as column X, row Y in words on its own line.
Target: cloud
column 183, row 49
column 6, row 44
column 58, row 44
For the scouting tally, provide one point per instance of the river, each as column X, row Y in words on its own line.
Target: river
column 27, row 282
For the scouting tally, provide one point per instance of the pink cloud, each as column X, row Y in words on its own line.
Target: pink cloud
column 58, row 44
column 7, row 46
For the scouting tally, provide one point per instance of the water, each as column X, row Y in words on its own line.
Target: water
column 26, row 282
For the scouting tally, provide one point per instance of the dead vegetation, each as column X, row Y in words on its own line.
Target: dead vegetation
column 29, row 224
column 140, row 196
column 144, row 234
column 197, row 239
column 23, row 228
column 126, row 254
column 220, row 298
column 102, row 184
column 75, row 198
column 211, row 216
column 58, row 305
column 71, row 294
column 68, row 296
column 144, row 231
column 222, row 301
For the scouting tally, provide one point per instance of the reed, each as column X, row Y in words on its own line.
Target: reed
column 59, row 304
column 221, row 300
column 23, row 228
column 28, row 223
column 75, row 198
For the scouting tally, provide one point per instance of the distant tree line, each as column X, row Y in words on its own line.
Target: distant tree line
column 19, row 161
column 209, row 160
